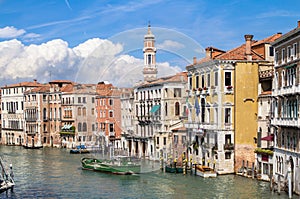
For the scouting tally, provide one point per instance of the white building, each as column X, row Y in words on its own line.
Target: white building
column 285, row 109
column 13, row 112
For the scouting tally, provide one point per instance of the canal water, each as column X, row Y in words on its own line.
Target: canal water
column 55, row 173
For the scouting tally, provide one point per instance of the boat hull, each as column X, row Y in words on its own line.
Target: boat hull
column 169, row 169
column 204, row 172
column 108, row 166
column 32, row 147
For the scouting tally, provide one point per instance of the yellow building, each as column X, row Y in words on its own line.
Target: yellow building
column 223, row 93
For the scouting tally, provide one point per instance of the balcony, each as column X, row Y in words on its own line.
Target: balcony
column 228, row 146
column 31, row 133
column 292, row 122
column 30, row 119
column 112, row 134
column 67, row 130
column 228, row 90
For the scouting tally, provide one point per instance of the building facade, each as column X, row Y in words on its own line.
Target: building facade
column 223, row 89
column 13, row 112
column 285, row 110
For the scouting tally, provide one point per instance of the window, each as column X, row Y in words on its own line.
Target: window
column 177, row 92
column 175, row 139
column 283, row 55
column 93, row 100
column 165, row 141
column 84, row 100
column 271, row 51
column 202, row 81
column 190, row 83
column 289, row 52
column 84, row 111
column 111, row 127
column 157, row 140
column 93, row 111
column 111, row 114
column 84, row 127
column 228, row 155
column 228, row 139
column 227, row 78
column 295, row 50
column 276, row 57
column 197, row 81
column 78, row 111
column 79, row 127
column 111, row 102
column 208, row 80
column 149, row 59
column 79, row 99
column 177, row 109
column 216, row 78
column 166, row 109
column 227, row 115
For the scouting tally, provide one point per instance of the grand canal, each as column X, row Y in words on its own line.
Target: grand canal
column 55, row 173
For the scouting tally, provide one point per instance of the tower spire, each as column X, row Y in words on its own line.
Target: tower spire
column 149, row 50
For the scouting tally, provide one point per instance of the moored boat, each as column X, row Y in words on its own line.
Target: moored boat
column 122, row 165
column 6, row 179
column 80, row 149
column 32, row 147
column 172, row 169
column 204, row 171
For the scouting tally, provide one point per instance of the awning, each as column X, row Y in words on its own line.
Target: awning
column 154, row 108
column 290, row 66
column 268, row 138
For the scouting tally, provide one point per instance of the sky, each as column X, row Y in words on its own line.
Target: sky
column 101, row 40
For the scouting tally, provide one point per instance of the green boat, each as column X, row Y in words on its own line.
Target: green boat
column 122, row 165
column 172, row 169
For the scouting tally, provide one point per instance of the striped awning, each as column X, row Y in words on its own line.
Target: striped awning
column 154, row 108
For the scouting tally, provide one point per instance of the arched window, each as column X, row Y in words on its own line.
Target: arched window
column 78, row 111
column 79, row 127
column 84, row 129
column 84, row 111
column 149, row 59
column 177, row 109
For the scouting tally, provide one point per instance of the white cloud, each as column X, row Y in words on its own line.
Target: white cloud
column 90, row 62
column 11, row 32
column 171, row 45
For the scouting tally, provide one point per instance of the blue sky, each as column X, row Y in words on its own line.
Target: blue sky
column 32, row 32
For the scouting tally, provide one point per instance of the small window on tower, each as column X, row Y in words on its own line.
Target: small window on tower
column 149, row 59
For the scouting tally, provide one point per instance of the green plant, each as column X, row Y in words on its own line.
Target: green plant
column 263, row 151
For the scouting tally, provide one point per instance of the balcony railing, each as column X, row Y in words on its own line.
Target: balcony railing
column 228, row 146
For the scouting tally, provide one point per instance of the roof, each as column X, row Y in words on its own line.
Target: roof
column 288, row 34
column 182, row 76
column 41, row 89
column 239, row 53
column 23, row 84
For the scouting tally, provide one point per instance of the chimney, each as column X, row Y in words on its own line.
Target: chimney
column 248, row 53
column 208, row 52
column 194, row 60
column 298, row 23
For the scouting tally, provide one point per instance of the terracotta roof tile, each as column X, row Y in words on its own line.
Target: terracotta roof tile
column 174, row 78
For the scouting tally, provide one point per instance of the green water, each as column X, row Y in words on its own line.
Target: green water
column 55, row 173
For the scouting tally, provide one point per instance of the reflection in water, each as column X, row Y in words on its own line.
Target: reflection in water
column 55, row 173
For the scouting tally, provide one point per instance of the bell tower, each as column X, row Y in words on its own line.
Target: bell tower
column 150, row 69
